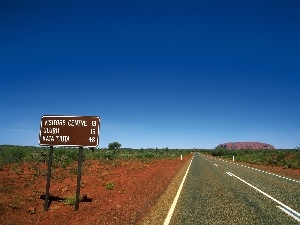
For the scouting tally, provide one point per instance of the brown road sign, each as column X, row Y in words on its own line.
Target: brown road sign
column 72, row 131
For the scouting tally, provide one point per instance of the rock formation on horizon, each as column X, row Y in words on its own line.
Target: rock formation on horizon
column 245, row 145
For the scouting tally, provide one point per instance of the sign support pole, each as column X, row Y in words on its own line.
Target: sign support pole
column 46, row 205
column 78, row 178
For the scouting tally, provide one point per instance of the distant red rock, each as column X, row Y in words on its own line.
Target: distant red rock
column 246, row 145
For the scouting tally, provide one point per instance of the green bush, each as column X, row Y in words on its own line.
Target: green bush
column 109, row 155
column 110, row 186
column 288, row 158
column 149, row 154
column 12, row 155
column 70, row 200
column 65, row 156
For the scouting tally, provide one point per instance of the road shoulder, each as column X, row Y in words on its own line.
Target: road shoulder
column 160, row 210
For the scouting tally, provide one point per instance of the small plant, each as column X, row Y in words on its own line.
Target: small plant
column 16, row 204
column 7, row 189
column 109, row 155
column 110, row 186
column 70, row 201
column 31, row 199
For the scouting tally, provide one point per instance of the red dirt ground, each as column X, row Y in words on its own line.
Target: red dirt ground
column 137, row 187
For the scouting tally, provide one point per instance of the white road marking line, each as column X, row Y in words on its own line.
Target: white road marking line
column 286, row 209
column 260, row 171
column 289, row 213
column 170, row 213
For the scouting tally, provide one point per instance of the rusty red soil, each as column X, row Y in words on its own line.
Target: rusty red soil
column 137, row 187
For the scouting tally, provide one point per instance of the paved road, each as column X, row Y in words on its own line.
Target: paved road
column 217, row 192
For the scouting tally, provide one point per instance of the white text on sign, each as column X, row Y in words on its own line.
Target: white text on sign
column 63, row 139
column 70, row 123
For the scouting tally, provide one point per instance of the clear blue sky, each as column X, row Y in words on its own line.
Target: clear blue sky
column 177, row 74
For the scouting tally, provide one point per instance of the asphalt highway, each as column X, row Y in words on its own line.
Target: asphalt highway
column 220, row 192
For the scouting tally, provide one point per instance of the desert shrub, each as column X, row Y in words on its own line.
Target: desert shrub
column 95, row 155
column 70, row 200
column 224, row 152
column 18, row 154
column 15, row 204
column 291, row 163
column 110, row 186
column 109, row 155
column 288, row 158
column 149, row 154
column 12, row 155
column 6, row 188
column 64, row 157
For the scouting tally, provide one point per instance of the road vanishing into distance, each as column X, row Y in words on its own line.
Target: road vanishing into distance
column 219, row 192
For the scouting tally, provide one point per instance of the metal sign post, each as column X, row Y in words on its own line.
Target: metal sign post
column 46, row 205
column 78, row 178
column 71, row 131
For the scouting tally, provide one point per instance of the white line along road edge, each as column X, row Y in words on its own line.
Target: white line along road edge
column 170, row 213
column 283, row 207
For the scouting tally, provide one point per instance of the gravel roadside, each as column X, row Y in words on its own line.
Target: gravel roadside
column 160, row 210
